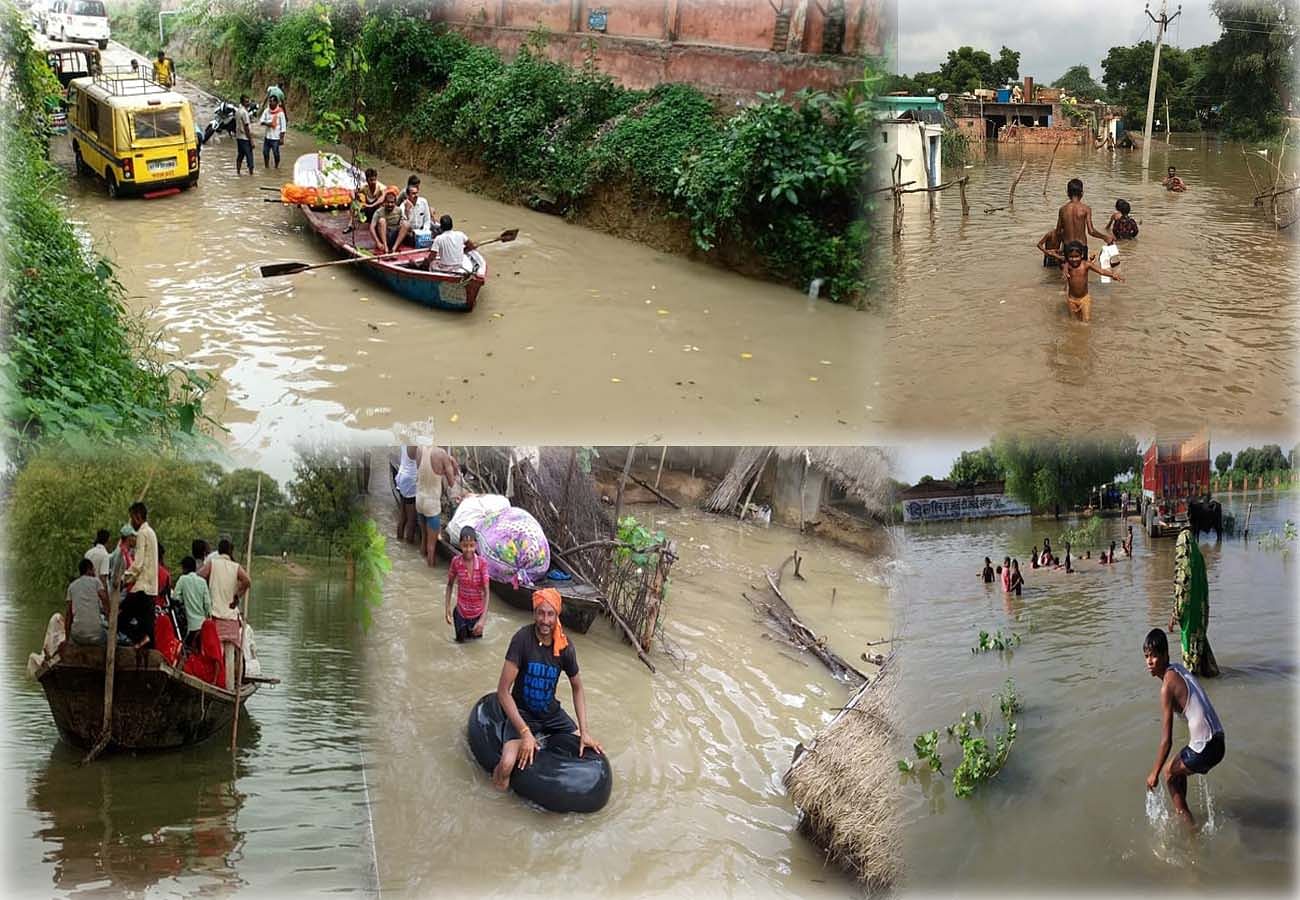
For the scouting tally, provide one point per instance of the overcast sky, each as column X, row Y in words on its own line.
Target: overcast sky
column 1050, row 37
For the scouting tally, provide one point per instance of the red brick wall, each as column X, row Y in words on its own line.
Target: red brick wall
column 1026, row 135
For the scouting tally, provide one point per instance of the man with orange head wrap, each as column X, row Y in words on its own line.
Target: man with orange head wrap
column 526, row 691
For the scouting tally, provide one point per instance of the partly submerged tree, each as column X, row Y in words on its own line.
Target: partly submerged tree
column 1078, row 82
column 1046, row 473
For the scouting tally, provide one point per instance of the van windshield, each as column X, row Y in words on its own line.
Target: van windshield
column 88, row 8
column 162, row 123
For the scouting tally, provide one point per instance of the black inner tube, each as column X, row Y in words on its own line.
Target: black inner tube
column 558, row 779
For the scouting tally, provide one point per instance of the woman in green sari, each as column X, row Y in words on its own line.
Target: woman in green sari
column 1192, row 607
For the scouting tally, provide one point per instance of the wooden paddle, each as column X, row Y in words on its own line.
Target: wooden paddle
column 505, row 237
column 293, row 268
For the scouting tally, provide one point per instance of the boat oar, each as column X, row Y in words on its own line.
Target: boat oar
column 293, row 268
column 505, row 237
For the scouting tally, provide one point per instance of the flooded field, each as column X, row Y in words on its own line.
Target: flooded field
column 1089, row 729
column 697, row 750
column 288, row 816
column 1203, row 329
column 574, row 328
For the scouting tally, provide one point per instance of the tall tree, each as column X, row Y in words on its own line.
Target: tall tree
column 1253, row 64
column 1257, row 461
column 974, row 466
column 1048, row 473
column 1223, row 462
column 1078, row 82
column 1007, row 67
column 967, row 69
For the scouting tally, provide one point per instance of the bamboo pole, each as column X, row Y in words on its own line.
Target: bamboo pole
column 925, row 162
column 110, row 647
column 1051, row 162
column 248, row 600
column 1246, row 533
column 896, row 175
column 622, row 483
column 758, row 476
column 663, row 454
column 965, row 206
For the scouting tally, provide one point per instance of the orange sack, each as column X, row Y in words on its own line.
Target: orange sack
column 319, row 198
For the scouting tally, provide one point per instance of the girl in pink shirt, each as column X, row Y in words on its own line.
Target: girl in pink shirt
column 469, row 574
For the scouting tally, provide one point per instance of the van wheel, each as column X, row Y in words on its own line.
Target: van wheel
column 113, row 192
column 103, row 45
column 82, row 168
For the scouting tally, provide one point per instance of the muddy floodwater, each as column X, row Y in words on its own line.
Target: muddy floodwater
column 287, row 816
column 697, row 750
column 574, row 328
column 1203, row 329
column 1070, row 810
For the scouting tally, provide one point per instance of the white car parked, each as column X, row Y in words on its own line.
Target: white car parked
column 78, row 20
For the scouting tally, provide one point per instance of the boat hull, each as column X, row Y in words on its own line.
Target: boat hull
column 155, row 707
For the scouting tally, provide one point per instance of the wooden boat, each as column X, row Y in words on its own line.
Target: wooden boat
column 583, row 602
column 452, row 291
column 155, row 706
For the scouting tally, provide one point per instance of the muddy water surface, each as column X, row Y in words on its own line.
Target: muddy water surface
column 698, row 749
column 1070, row 809
column 288, row 816
column 575, row 329
column 1204, row 328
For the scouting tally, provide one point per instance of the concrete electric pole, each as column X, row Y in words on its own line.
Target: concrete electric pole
column 1161, row 24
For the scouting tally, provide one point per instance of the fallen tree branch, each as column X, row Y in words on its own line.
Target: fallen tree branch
column 654, row 490
column 801, row 634
column 636, row 644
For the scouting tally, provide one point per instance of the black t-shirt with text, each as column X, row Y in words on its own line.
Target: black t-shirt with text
column 539, row 671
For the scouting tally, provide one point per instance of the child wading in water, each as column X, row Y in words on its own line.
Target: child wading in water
column 1076, row 269
column 469, row 575
column 1121, row 224
column 1181, row 694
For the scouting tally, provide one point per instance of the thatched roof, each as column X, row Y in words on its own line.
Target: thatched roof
column 845, row 784
column 862, row 472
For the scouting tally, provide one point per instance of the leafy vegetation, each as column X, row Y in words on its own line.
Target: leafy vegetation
column 1273, row 541
column 1078, row 82
column 999, row 641
column 782, row 176
column 1061, row 473
column 78, row 365
column 641, row 540
column 965, row 69
column 978, row 763
column 136, row 25
column 975, row 466
column 1085, row 534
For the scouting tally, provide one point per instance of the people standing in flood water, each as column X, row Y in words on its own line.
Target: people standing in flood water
column 406, row 482
column 1173, row 183
column 1128, row 543
column 1077, row 298
column 1017, row 580
column 1074, row 219
column 526, row 689
column 1122, row 225
column 1005, row 569
column 1182, row 695
column 468, row 574
column 1048, row 242
column 987, row 572
column 435, row 466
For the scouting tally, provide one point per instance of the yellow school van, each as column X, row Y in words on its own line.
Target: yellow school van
column 133, row 133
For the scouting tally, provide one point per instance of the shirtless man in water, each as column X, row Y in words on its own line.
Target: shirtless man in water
column 1076, row 269
column 1181, row 694
column 1074, row 220
column 1173, row 182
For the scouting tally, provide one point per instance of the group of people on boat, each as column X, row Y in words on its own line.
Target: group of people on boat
column 398, row 219
column 1008, row 573
column 198, row 613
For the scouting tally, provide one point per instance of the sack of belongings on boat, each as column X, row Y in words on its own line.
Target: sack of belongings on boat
column 316, row 197
column 515, row 547
column 472, row 511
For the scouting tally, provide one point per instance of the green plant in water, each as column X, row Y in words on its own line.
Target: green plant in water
column 1274, row 541
column 640, row 539
column 926, row 747
column 998, row 641
column 1008, row 702
column 978, row 765
column 962, row 728
column 365, row 548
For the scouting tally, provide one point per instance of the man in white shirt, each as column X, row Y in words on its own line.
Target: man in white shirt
column 273, row 119
column 98, row 555
column 450, row 248
column 417, row 218
column 243, row 134
column 137, row 613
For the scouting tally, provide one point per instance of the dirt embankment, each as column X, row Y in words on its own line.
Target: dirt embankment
column 614, row 207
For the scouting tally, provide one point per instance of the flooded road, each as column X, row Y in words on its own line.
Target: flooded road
column 574, row 328
column 1089, row 729
column 697, row 751
column 1203, row 330
column 288, row 816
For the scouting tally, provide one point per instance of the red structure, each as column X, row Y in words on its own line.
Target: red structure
column 1175, row 470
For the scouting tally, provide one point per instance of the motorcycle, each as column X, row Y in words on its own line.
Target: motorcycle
column 223, row 119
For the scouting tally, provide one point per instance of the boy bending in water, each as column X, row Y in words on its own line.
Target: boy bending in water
column 1181, row 694
column 1076, row 269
